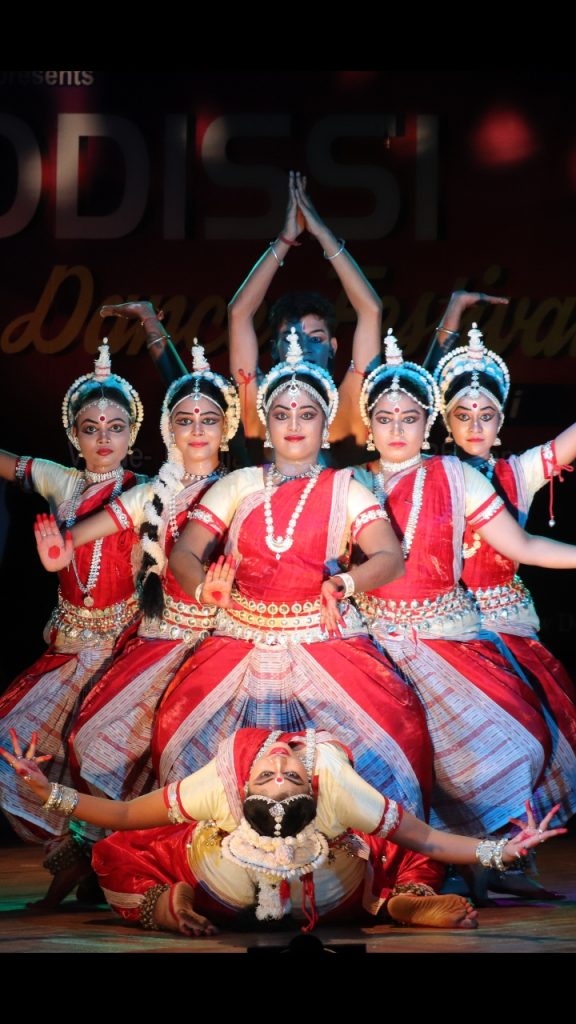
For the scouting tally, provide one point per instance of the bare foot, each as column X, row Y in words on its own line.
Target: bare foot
column 175, row 912
column 62, row 884
column 433, row 911
column 130, row 310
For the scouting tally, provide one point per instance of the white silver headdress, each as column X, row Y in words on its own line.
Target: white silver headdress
column 468, row 361
column 201, row 374
column 83, row 393
column 400, row 375
column 283, row 377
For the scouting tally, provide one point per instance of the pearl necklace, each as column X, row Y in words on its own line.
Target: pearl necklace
column 99, row 478
column 397, row 467
column 281, row 544
column 417, row 493
column 190, row 478
column 93, row 573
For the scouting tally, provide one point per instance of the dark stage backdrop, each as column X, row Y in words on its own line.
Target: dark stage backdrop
column 116, row 185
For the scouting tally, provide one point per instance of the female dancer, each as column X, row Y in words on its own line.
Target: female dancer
column 275, row 822
column 96, row 600
column 111, row 736
column 491, row 738
column 276, row 657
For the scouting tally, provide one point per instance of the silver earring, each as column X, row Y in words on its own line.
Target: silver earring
column 497, row 442
column 268, row 439
column 426, row 444
column 325, row 439
column 224, row 445
column 448, row 439
column 370, row 446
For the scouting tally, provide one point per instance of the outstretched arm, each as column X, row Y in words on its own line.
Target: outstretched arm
column 452, row 849
column 447, row 334
column 566, row 446
column 368, row 308
column 145, row 812
column 55, row 549
column 244, row 305
column 158, row 341
column 507, row 537
column 8, row 465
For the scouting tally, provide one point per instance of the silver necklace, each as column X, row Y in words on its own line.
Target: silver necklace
column 417, row 495
column 281, row 544
column 397, row 467
column 190, row 478
column 284, row 478
column 94, row 571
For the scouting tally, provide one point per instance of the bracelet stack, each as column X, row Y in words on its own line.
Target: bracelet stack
column 489, row 853
column 62, row 800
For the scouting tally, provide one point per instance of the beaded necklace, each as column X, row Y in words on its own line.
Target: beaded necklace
column 190, row 478
column 417, row 493
column 281, row 544
column 86, row 480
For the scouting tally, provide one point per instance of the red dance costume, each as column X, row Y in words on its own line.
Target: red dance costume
column 84, row 632
column 111, row 738
column 353, row 884
column 507, row 609
column 491, row 740
column 268, row 663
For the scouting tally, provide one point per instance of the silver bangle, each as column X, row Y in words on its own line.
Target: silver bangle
column 489, row 853
column 337, row 253
column 62, row 800
column 348, row 581
column 198, row 593
column 275, row 255
column 154, row 341
column 446, row 331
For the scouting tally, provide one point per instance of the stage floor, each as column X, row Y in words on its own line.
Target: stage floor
column 512, row 926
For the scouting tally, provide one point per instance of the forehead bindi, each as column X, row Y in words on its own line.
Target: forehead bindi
column 197, row 407
column 110, row 414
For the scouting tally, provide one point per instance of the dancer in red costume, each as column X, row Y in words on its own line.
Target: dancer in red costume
column 279, row 823
column 492, row 744
column 111, row 736
column 284, row 653
column 96, row 601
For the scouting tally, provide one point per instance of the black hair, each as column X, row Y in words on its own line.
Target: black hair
column 408, row 383
column 205, row 387
column 148, row 584
column 307, row 378
column 464, row 380
column 93, row 391
column 299, row 811
column 295, row 305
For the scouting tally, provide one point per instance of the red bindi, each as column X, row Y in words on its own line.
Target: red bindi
column 102, row 419
column 474, row 405
column 197, row 410
column 396, row 408
column 293, row 405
